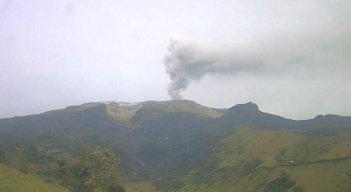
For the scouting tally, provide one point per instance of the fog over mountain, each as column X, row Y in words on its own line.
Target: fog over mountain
column 290, row 57
column 175, row 96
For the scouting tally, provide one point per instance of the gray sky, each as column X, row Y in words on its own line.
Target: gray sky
column 292, row 58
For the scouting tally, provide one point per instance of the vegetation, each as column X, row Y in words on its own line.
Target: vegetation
column 280, row 184
column 174, row 146
column 269, row 161
column 15, row 181
column 96, row 171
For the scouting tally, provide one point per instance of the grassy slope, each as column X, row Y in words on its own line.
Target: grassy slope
column 14, row 181
column 260, row 160
column 142, row 186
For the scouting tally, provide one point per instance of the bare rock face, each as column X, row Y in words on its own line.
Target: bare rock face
column 131, row 114
column 122, row 112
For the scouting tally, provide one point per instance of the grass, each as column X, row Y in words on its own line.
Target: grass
column 14, row 181
column 249, row 160
column 268, row 161
column 141, row 186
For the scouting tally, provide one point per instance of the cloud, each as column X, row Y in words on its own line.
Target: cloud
column 323, row 49
column 5, row 5
column 186, row 62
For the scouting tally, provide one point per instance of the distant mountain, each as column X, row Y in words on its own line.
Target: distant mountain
column 183, row 146
column 249, row 114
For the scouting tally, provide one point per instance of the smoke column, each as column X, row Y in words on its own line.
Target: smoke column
column 307, row 52
column 187, row 62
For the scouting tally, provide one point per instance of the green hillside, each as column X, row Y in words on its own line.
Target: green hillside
column 180, row 146
column 274, row 161
column 14, row 181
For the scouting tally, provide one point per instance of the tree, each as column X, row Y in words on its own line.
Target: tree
column 96, row 171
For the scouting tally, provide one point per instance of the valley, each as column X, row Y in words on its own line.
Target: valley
column 181, row 146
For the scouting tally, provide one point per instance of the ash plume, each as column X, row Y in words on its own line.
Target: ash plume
column 187, row 62
column 321, row 48
column 307, row 52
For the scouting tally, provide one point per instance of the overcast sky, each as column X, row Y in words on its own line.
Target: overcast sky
column 292, row 58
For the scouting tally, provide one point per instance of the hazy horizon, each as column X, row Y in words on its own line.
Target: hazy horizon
column 290, row 58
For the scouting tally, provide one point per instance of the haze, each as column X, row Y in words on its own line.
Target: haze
column 292, row 58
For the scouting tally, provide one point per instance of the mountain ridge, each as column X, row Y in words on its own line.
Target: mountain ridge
column 165, row 141
column 241, row 107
